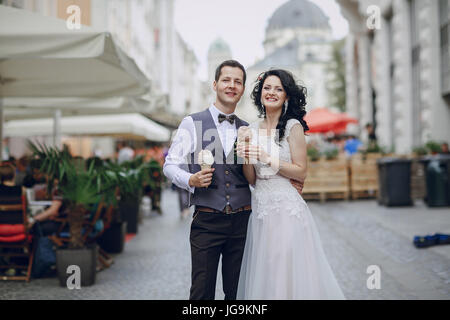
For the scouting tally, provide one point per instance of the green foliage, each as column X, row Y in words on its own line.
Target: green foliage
column 420, row 151
column 336, row 68
column 374, row 148
column 433, row 146
column 331, row 154
column 313, row 153
column 134, row 174
column 84, row 184
column 52, row 162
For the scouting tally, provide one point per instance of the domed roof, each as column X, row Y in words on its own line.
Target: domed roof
column 298, row 13
column 219, row 46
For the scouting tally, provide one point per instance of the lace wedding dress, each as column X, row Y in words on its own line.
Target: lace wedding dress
column 283, row 256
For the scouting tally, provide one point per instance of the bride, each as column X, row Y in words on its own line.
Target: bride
column 283, row 256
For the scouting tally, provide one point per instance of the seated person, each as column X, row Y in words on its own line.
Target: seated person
column 7, row 187
column 47, row 216
column 9, row 193
column 7, row 174
column 21, row 170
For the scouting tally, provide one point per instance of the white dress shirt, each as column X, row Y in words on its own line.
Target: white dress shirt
column 184, row 143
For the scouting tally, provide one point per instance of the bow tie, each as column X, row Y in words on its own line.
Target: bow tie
column 229, row 118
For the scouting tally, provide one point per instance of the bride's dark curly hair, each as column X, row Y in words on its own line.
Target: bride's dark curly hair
column 296, row 102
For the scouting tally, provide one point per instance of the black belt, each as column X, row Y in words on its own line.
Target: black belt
column 227, row 210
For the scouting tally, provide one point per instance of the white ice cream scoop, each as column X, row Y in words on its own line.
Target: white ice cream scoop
column 205, row 159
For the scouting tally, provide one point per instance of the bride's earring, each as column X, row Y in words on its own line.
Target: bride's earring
column 286, row 103
column 264, row 110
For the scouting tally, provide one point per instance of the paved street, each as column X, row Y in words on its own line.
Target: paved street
column 156, row 263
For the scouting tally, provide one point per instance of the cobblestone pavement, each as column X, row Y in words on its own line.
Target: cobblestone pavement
column 156, row 263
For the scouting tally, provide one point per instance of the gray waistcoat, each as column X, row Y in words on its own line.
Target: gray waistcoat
column 229, row 185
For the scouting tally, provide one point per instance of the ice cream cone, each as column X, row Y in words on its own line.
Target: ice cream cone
column 205, row 166
column 244, row 138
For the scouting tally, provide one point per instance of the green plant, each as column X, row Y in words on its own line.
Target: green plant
column 313, row 153
column 134, row 174
column 331, row 154
column 336, row 68
column 433, row 146
column 420, row 151
column 82, row 188
column 374, row 148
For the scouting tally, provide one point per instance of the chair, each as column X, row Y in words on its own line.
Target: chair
column 15, row 241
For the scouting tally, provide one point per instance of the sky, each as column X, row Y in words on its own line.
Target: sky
column 241, row 23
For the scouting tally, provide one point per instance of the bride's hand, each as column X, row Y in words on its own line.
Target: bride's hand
column 244, row 134
column 253, row 153
column 298, row 185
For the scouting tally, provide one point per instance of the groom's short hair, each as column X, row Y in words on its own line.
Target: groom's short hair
column 229, row 63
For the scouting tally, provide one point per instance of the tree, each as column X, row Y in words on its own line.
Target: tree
column 336, row 69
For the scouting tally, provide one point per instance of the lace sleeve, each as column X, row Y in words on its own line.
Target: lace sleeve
column 289, row 125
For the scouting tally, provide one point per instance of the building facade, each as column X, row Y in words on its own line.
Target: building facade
column 218, row 52
column 298, row 38
column 145, row 30
column 397, row 69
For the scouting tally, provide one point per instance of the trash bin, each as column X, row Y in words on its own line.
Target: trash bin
column 394, row 182
column 437, row 177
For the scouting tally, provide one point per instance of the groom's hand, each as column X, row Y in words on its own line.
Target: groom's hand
column 201, row 179
column 297, row 185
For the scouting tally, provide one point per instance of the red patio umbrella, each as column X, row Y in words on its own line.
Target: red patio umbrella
column 322, row 120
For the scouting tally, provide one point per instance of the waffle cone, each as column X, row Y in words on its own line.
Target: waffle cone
column 205, row 166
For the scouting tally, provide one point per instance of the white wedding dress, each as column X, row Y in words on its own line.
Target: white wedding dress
column 283, row 256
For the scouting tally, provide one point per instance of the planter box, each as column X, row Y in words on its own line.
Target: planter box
column 85, row 259
column 327, row 179
column 364, row 176
column 129, row 211
column 113, row 239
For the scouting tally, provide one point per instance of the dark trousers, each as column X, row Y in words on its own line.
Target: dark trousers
column 48, row 228
column 212, row 235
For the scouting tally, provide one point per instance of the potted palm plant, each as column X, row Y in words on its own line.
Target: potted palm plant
column 83, row 189
column 135, row 174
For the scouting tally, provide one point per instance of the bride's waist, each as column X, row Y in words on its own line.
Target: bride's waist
column 273, row 182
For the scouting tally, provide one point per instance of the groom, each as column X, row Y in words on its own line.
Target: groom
column 221, row 195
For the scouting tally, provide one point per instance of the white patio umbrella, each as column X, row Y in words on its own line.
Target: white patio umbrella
column 130, row 125
column 41, row 57
column 37, row 108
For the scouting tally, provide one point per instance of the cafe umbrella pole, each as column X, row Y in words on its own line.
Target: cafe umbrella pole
column 57, row 129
